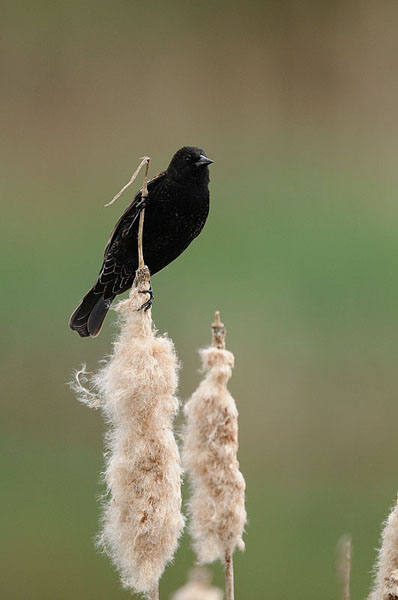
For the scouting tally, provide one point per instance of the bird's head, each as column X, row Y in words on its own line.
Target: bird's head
column 190, row 162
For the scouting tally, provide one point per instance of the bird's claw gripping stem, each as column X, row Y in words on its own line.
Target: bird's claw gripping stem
column 148, row 304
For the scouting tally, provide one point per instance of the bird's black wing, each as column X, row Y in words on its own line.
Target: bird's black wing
column 117, row 270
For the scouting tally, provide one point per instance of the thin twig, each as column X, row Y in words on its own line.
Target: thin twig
column 344, row 565
column 229, row 577
column 144, row 195
column 144, row 160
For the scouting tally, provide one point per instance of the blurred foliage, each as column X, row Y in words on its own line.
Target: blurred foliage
column 296, row 103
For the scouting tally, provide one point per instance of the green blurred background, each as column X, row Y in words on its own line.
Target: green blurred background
column 296, row 102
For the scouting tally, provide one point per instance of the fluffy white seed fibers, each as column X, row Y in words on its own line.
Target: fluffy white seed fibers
column 142, row 518
column 386, row 569
column 217, row 504
column 198, row 588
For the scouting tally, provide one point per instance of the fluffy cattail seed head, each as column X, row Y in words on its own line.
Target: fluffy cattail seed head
column 386, row 569
column 217, row 503
column 142, row 517
column 198, row 587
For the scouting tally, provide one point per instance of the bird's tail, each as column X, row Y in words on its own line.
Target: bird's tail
column 90, row 314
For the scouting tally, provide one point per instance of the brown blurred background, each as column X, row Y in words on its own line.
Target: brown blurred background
column 296, row 103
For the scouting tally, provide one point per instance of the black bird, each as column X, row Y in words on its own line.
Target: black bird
column 176, row 210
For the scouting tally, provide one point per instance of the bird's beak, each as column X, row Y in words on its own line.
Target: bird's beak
column 203, row 160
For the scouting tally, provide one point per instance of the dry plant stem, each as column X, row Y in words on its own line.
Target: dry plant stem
column 144, row 196
column 219, row 332
column 344, row 565
column 229, row 577
column 144, row 161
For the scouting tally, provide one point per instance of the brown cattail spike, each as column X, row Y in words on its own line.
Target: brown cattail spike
column 219, row 332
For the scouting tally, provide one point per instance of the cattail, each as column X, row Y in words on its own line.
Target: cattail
column 142, row 518
column 217, row 504
column 344, row 565
column 198, row 587
column 385, row 585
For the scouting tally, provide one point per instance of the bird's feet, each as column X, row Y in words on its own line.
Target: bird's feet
column 148, row 304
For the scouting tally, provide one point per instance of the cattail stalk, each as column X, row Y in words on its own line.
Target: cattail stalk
column 344, row 565
column 217, row 503
column 229, row 576
column 144, row 196
column 385, row 586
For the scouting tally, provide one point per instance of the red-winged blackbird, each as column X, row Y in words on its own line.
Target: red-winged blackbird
column 176, row 210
